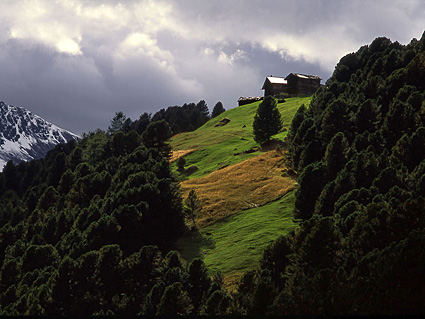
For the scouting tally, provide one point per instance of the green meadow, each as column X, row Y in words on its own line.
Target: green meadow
column 215, row 146
column 235, row 244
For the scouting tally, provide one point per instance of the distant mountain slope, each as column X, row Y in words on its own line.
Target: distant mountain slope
column 25, row 136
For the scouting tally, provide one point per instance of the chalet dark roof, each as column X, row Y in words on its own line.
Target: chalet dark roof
column 305, row 76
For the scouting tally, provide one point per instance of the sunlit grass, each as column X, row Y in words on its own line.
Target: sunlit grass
column 232, row 237
column 215, row 147
column 253, row 182
column 235, row 244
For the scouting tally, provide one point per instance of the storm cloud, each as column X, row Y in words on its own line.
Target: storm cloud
column 77, row 62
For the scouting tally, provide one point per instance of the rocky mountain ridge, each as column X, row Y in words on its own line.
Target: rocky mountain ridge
column 25, row 136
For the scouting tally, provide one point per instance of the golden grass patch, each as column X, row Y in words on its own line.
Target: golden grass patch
column 251, row 183
column 175, row 155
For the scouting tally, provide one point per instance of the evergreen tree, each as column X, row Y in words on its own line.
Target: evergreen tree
column 218, row 109
column 142, row 123
column 117, row 122
column 199, row 282
column 181, row 162
column 267, row 121
column 203, row 108
column 336, row 154
column 156, row 135
column 175, row 301
column 193, row 205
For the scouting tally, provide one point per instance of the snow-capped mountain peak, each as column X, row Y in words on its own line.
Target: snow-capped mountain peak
column 25, row 136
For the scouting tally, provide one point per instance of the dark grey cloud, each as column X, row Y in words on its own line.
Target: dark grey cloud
column 78, row 62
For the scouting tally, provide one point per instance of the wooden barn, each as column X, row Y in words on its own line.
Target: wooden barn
column 274, row 85
column 303, row 84
column 294, row 83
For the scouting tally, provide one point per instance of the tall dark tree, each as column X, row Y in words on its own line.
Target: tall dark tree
column 142, row 123
column 117, row 122
column 199, row 281
column 267, row 121
column 336, row 154
column 57, row 169
column 156, row 135
column 175, row 301
column 181, row 162
column 203, row 108
column 218, row 109
column 193, row 205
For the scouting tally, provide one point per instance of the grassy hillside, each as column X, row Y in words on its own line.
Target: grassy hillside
column 235, row 244
column 214, row 147
column 247, row 203
column 251, row 183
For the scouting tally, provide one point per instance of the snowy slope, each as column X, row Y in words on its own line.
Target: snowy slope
column 25, row 136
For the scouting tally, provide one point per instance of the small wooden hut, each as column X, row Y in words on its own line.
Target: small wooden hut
column 274, row 85
column 303, row 84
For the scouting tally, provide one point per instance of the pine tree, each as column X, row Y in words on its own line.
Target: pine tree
column 181, row 162
column 117, row 122
column 156, row 135
column 267, row 121
column 218, row 109
column 194, row 206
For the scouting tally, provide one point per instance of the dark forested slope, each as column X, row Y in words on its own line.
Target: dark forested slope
column 359, row 150
column 89, row 230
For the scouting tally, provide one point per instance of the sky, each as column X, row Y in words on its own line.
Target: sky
column 78, row 62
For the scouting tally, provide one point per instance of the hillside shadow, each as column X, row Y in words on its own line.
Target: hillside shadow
column 194, row 244
column 273, row 144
